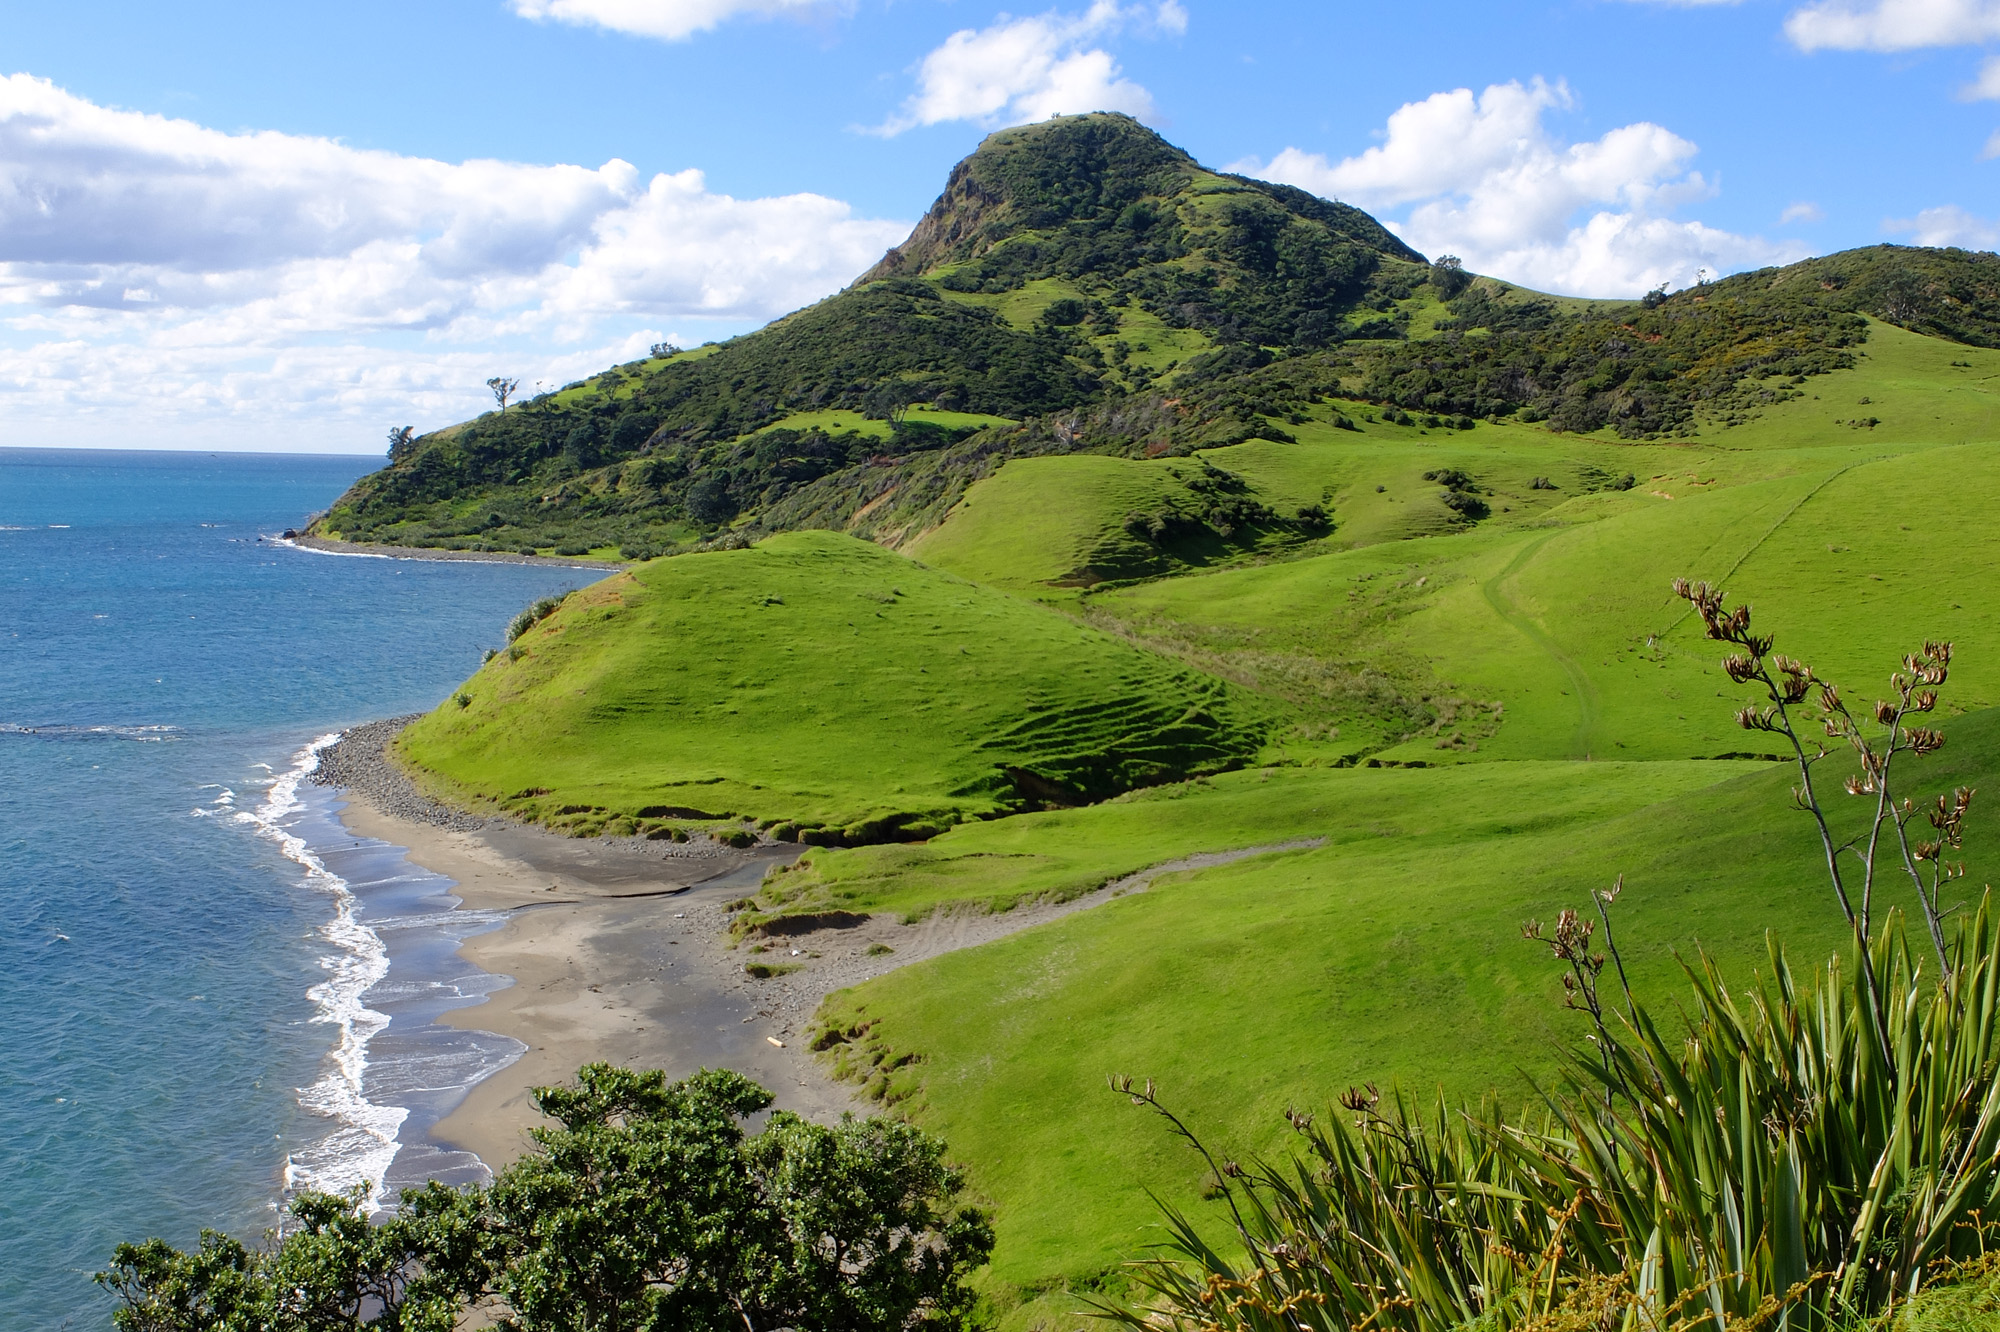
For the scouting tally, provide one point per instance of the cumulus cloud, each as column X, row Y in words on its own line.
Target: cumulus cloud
column 1483, row 178
column 166, row 266
column 1892, row 25
column 1802, row 212
column 1027, row 69
column 667, row 20
column 1949, row 225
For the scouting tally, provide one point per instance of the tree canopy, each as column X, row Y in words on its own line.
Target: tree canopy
column 643, row 1206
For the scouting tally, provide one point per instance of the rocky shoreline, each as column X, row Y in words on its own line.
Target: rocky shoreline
column 327, row 546
column 359, row 762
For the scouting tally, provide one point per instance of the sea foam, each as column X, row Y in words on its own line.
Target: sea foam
column 364, row 1141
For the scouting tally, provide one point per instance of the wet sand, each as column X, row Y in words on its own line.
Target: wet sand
column 616, row 956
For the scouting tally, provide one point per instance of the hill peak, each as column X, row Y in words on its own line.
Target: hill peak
column 1096, row 173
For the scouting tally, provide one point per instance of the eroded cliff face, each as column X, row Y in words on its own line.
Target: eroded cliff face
column 958, row 226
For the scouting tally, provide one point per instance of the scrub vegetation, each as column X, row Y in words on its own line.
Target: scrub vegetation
column 1131, row 511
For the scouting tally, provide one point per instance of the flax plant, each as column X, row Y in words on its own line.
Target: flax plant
column 1788, row 684
column 1801, row 1153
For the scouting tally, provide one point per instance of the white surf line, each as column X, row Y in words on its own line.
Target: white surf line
column 364, row 1141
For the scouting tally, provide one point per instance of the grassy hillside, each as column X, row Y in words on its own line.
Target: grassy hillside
column 1131, row 510
column 1555, row 609
column 1068, row 263
column 1043, row 524
column 1084, row 287
column 825, row 686
column 1392, row 954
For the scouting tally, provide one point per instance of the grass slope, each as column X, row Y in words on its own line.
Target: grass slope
column 1044, row 525
column 1390, row 955
column 1858, row 543
column 1498, row 621
column 818, row 680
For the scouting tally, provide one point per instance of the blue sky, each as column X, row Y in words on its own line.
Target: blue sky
column 255, row 226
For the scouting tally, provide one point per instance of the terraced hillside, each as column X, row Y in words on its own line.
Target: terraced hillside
column 825, row 690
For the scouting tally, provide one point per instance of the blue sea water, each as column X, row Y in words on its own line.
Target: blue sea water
column 208, row 989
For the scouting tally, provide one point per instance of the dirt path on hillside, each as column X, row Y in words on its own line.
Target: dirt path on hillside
column 1580, row 683
column 838, row 956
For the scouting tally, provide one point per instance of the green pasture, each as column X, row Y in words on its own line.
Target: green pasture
column 1048, row 526
column 1573, row 629
column 816, row 679
column 1021, row 307
column 845, row 422
column 1391, row 955
column 1152, row 342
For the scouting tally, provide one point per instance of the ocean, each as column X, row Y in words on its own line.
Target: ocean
column 209, row 991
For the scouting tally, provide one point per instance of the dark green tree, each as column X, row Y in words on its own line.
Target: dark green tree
column 1448, row 276
column 644, row 1206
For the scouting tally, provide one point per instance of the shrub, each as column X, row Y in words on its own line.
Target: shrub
column 534, row 615
column 1451, row 478
column 1448, row 276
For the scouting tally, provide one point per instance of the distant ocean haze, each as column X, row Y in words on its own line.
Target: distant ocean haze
column 196, row 962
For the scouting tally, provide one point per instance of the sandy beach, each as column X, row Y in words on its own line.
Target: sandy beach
column 615, row 956
column 619, row 949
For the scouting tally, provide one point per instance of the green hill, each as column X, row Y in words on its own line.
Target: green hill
column 824, row 687
column 1131, row 510
column 1068, row 264
column 1082, row 286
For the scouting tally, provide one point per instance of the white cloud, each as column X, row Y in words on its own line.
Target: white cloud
column 1985, row 88
column 159, row 271
column 1802, row 211
column 1949, row 225
column 1892, row 25
column 668, row 20
column 1027, row 69
column 1483, row 178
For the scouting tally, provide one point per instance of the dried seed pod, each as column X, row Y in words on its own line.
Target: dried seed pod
column 1923, row 741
